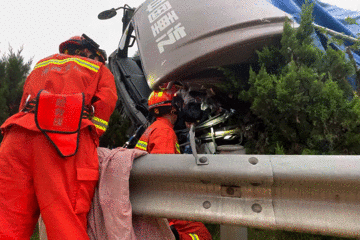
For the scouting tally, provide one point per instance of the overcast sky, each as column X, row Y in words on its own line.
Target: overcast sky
column 40, row 26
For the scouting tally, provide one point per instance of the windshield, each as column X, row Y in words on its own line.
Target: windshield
column 123, row 38
column 127, row 42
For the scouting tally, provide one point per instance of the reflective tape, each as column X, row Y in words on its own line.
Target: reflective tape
column 99, row 120
column 100, row 123
column 177, row 147
column 142, row 145
column 194, row 236
column 100, row 127
column 81, row 62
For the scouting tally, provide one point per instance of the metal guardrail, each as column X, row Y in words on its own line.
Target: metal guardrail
column 316, row 194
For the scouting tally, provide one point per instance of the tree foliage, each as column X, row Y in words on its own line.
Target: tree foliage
column 115, row 135
column 350, row 20
column 13, row 73
column 301, row 100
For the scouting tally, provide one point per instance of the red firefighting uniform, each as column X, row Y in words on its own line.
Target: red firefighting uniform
column 189, row 230
column 33, row 176
column 160, row 138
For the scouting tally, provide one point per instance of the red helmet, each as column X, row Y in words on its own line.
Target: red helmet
column 83, row 41
column 161, row 101
column 75, row 41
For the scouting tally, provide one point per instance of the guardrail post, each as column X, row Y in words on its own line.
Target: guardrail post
column 228, row 232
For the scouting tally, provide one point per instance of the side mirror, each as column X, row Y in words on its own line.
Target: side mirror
column 107, row 14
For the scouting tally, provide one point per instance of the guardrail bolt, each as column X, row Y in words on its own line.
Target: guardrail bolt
column 256, row 207
column 253, row 160
column 337, row 197
column 203, row 159
column 206, row 204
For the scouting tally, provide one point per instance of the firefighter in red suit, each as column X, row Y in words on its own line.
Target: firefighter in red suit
column 160, row 138
column 48, row 157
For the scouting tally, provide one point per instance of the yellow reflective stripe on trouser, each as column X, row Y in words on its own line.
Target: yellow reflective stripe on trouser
column 81, row 62
column 194, row 236
column 177, row 147
column 142, row 145
column 99, row 123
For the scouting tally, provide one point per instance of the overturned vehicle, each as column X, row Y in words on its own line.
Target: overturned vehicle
column 187, row 42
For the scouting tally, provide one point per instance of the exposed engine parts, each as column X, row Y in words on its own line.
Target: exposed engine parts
column 209, row 120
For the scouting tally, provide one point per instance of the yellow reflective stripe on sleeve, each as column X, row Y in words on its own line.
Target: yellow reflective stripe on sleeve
column 142, row 145
column 99, row 123
column 100, row 127
column 100, row 120
column 177, row 147
column 81, row 62
column 194, row 236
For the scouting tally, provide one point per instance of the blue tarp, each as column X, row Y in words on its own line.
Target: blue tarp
column 325, row 15
column 328, row 16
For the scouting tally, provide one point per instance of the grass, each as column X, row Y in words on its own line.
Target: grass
column 263, row 234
